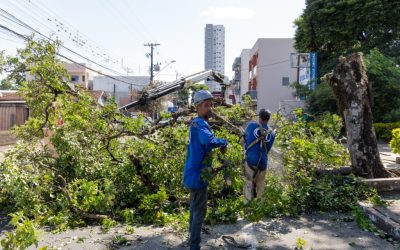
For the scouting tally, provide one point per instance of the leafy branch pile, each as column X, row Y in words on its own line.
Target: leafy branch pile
column 101, row 165
column 308, row 147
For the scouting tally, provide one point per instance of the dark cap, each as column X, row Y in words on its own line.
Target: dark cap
column 264, row 114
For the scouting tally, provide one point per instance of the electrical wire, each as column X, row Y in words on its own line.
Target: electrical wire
column 67, row 58
column 11, row 17
column 64, row 25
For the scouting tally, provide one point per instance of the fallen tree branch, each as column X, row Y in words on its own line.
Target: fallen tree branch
column 76, row 210
column 172, row 121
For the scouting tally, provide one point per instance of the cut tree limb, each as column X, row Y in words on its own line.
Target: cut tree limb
column 340, row 171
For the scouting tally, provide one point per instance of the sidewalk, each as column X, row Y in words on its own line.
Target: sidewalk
column 6, row 138
column 387, row 217
column 319, row 230
column 387, row 157
column 3, row 150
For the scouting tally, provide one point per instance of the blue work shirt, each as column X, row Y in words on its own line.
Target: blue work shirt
column 201, row 142
column 253, row 154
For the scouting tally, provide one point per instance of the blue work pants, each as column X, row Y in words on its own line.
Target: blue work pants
column 198, row 209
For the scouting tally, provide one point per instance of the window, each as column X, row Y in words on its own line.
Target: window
column 285, row 81
column 74, row 79
column 83, row 78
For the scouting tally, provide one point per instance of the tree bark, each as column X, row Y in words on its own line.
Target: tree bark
column 340, row 171
column 352, row 91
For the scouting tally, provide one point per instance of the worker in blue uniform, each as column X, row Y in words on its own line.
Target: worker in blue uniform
column 259, row 138
column 201, row 143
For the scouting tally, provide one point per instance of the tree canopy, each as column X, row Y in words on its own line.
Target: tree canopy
column 384, row 77
column 333, row 28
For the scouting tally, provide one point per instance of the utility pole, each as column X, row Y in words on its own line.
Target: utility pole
column 151, row 45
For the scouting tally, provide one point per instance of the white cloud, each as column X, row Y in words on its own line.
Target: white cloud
column 228, row 13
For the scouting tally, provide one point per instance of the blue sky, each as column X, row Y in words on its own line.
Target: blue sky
column 119, row 28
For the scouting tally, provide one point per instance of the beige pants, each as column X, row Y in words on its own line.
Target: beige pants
column 250, row 182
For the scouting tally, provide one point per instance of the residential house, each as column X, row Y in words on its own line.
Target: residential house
column 80, row 75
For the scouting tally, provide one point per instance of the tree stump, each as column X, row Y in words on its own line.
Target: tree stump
column 352, row 91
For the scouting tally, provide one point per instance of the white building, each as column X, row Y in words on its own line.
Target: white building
column 120, row 87
column 265, row 74
column 214, row 53
column 240, row 78
column 79, row 74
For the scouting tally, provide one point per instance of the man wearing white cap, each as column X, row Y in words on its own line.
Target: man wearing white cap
column 201, row 143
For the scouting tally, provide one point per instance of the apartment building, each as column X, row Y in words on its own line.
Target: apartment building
column 214, row 53
column 266, row 74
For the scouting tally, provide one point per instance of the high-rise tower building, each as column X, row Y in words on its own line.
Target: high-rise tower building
column 214, row 52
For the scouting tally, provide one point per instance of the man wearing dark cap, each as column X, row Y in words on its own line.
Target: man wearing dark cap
column 259, row 139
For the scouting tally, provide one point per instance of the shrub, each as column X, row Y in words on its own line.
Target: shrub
column 383, row 131
column 395, row 142
column 25, row 233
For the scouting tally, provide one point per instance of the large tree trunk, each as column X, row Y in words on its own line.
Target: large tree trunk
column 353, row 96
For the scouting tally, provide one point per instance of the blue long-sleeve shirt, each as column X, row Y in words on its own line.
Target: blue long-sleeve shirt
column 254, row 153
column 201, row 142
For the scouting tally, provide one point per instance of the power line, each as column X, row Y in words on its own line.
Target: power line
column 83, row 40
column 119, row 15
column 99, row 72
column 10, row 40
column 29, row 27
column 125, row 21
column 138, row 19
column 23, row 24
column 67, row 58
column 264, row 65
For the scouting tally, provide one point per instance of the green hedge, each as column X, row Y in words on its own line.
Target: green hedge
column 384, row 130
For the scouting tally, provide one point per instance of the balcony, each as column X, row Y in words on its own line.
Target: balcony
column 236, row 63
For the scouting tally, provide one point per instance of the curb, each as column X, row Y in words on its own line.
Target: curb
column 382, row 219
column 383, row 184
